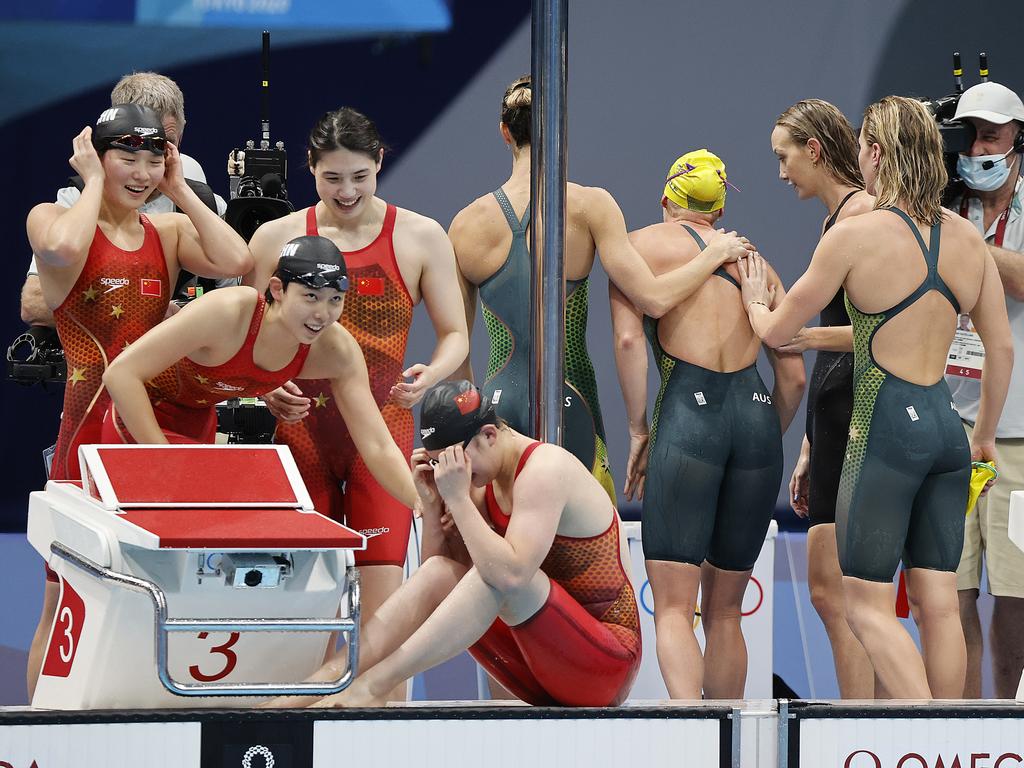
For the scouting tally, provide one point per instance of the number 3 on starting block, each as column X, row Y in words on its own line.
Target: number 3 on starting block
column 67, row 629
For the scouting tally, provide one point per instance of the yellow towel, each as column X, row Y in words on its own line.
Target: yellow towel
column 981, row 473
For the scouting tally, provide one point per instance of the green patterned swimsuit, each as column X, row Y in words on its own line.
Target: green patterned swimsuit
column 505, row 297
column 905, row 476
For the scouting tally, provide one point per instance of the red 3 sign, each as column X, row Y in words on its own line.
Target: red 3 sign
column 66, row 632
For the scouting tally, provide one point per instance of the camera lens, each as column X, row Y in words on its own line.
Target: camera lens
column 253, row 578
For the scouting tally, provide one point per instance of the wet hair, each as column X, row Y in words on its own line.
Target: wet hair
column 153, row 90
column 516, row 110
column 344, row 128
column 817, row 119
column 911, row 168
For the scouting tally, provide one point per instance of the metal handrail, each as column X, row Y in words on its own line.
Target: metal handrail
column 348, row 627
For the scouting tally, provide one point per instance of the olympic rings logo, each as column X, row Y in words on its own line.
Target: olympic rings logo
column 259, row 749
column 647, row 599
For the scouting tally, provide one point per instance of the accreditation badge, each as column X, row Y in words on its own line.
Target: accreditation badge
column 966, row 354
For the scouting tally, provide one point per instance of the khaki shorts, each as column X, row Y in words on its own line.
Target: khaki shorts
column 985, row 531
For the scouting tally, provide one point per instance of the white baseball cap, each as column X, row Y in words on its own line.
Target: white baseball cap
column 990, row 101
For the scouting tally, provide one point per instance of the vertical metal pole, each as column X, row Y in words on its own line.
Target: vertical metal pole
column 547, row 227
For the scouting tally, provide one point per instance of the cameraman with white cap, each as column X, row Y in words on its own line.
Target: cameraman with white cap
column 994, row 202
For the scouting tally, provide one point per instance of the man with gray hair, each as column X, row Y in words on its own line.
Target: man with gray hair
column 163, row 96
column 994, row 202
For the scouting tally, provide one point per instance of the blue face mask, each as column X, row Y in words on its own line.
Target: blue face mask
column 982, row 179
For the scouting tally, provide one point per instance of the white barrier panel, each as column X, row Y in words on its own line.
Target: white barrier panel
column 111, row 745
column 927, row 736
column 537, row 743
column 757, row 621
column 458, row 736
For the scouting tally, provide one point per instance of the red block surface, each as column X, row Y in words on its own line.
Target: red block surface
column 188, row 475
column 243, row 528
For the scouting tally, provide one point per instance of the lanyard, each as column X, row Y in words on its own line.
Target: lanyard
column 1000, row 227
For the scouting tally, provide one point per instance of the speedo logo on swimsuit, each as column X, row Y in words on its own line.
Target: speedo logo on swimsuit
column 425, row 433
column 759, row 398
column 371, row 532
column 227, row 387
column 113, row 283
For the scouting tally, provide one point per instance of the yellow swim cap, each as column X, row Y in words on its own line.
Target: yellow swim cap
column 696, row 181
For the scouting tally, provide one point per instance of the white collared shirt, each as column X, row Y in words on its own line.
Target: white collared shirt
column 967, row 392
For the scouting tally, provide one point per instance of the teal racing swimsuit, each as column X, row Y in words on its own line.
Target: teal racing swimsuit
column 715, row 461
column 905, row 477
column 505, row 297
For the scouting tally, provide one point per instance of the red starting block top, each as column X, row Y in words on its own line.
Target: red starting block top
column 185, row 528
column 127, row 476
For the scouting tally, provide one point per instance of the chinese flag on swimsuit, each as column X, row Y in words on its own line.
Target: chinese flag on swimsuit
column 370, row 286
column 150, row 286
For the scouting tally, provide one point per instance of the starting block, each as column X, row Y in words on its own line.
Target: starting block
column 180, row 567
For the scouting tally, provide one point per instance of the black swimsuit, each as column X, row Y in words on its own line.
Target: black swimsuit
column 829, row 408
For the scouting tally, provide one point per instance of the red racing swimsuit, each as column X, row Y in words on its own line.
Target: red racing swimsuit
column 185, row 394
column 118, row 296
column 378, row 313
column 582, row 648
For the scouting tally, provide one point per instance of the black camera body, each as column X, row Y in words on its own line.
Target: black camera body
column 258, row 183
column 957, row 138
column 36, row 356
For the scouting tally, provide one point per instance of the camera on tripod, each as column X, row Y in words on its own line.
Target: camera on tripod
column 258, row 177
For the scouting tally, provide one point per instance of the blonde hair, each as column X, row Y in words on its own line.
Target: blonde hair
column 911, row 168
column 516, row 112
column 153, row 90
column 817, row 119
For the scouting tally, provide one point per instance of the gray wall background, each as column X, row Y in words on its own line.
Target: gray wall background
column 650, row 80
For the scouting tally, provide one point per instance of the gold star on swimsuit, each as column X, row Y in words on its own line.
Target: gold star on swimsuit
column 90, row 294
column 854, row 433
column 321, row 400
column 116, row 311
column 77, row 375
column 202, row 379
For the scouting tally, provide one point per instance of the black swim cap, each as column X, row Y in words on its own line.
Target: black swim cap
column 139, row 127
column 453, row 412
column 314, row 261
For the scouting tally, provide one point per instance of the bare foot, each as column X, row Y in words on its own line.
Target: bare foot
column 356, row 695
